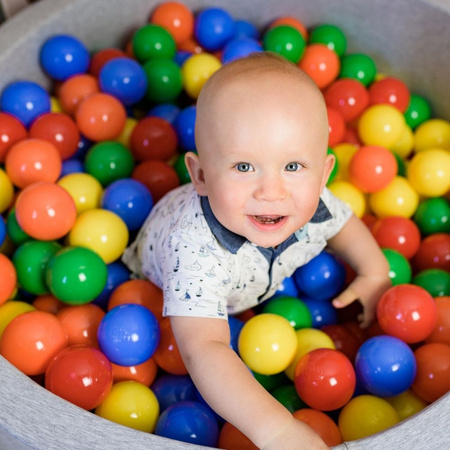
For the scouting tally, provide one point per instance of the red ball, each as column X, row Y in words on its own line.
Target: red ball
column 153, row 138
column 233, row 439
column 344, row 340
column 433, row 253
column 397, row 233
column 100, row 58
column 325, row 379
column 390, row 91
column 81, row 375
column 11, row 131
column 441, row 332
column 336, row 127
column 372, row 168
column 407, row 312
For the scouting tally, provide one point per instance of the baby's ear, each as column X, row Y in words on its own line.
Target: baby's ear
column 195, row 172
column 327, row 169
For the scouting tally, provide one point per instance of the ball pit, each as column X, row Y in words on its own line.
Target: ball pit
column 104, row 24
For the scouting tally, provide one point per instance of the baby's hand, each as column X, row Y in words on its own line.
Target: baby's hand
column 368, row 289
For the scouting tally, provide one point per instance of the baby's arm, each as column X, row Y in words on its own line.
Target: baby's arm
column 231, row 390
column 356, row 245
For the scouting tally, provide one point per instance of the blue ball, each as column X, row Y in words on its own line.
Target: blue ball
column 322, row 313
column 185, row 128
column 71, row 165
column 181, row 56
column 385, row 366
column 322, row 278
column 125, row 79
column 25, row 100
column 129, row 334
column 287, row 287
column 2, row 231
column 213, row 28
column 84, row 144
column 170, row 389
column 167, row 111
column 190, row 422
column 240, row 48
column 117, row 274
column 130, row 200
column 63, row 56
column 245, row 29
column 235, row 330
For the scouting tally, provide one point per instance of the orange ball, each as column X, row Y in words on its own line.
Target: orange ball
column 144, row 373
column 9, row 278
column 140, row 292
column 45, row 211
column 176, row 18
column 233, row 439
column 49, row 303
column 322, row 424
column 75, row 89
column 441, row 332
column 100, row 58
column 31, row 340
column 101, row 117
column 292, row 22
column 32, row 160
column 321, row 63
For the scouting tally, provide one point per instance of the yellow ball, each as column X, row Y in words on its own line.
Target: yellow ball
column 406, row 404
column 12, row 309
column 267, row 343
column 350, row 195
column 381, row 125
column 308, row 339
column 405, row 145
column 344, row 153
column 55, row 105
column 124, row 136
column 85, row 190
column 131, row 404
column 6, row 191
column 102, row 231
column 365, row 415
column 398, row 198
column 429, row 172
column 196, row 70
column 433, row 133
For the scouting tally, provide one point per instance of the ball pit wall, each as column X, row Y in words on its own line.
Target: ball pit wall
column 407, row 38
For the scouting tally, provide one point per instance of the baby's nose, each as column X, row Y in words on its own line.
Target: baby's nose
column 271, row 188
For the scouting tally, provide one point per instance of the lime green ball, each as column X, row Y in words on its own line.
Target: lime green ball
column 358, row 66
column 331, row 36
column 153, row 42
column 292, row 309
column 335, row 170
column 164, row 80
column 400, row 271
column 286, row 41
column 418, row 111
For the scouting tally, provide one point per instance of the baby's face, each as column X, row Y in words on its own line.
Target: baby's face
column 262, row 158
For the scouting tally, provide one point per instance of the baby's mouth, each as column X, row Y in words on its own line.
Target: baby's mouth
column 268, row 219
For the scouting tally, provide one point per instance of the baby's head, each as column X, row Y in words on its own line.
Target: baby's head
column 262, row 138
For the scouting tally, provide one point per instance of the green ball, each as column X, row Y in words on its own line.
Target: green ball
column 30, row 261
column 164, row 80
column 153, row 42
column 435, row 281
column 400, row 271
column 335, row 170
column 14, row 230
column 433, row 216
column 181, row 170
column 286, row 41
column 418, row 111
column 331, row 36
column 287, row 396
column 270, row 382
column 401, row 168
column 292, row 309
column 358, row 66
column 109, row 161
column 76, row 275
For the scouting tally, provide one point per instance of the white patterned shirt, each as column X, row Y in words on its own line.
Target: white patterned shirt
column 205, row 270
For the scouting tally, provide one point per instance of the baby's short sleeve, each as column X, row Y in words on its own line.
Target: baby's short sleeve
column 339, row 211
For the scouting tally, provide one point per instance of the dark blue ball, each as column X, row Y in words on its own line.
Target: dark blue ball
column 185, row 128
column 213, row 28
column 170, row 389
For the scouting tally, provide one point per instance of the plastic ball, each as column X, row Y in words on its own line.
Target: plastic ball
column 125, row 79
column 398, row 198
column 433, row 216
column 131, row 404
column 24, row 100
column 11, row 309
column 185, row 127
column 403, row 147
column 101, row 231
column 391, row 91
column 81, row 375
column 441, row 332
column 235, row 325
column 358, row 66
column 100, row 117
column 400, row 271
column 429, row 172
column 407, row 312
column 325, row 379
column 267, row 343
column 71, row 166
column 3, row 231
column 30, row 260
column 63, row 56
column 11, row 131
column 292, row 309
column 344, row 340
column 322, row 313
column 100, row 58
column 322, row 278
column 435, row 281
column 288, row 397
column 233, row 439
column 188, row 421
column 213, row 27
column 385, row 366
column 196, row 70
column 321, row 63
column 6, row 191
column 433, row 371
column 432, row 133
column 164, row 80
column 45, row 211
column 336, row 127
column 118, row 273
column 433, row 253
column 240, row 48
column 144, row 373
column 153, row 42
column 381, row 125
column 292, row 22
column 331, row 36
column 406, row 404
column 31, row 340
column 76, row 89
column 75, row 275
column 48, row 303
column 170, row 389
column 286, row 41
column 15, row 232
column 372, row 168
column 366, row 415
column 181, row 170
column 245, row 29
column 344, row 153
column 287, row 287
column 167, row 111
column 9, row 278
column 33, row 160
column 418, row 111
column 322, row 424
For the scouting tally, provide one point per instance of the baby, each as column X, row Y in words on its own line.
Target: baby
column 256, row 210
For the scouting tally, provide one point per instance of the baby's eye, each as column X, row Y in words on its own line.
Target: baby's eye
column 244, row 167
column 293, row 167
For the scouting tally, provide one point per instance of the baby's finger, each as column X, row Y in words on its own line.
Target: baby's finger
column 345, row 298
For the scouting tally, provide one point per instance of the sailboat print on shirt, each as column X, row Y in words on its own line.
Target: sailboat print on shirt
column 199, row 292
column 186, row 296
column 177, row 265
column 211, row 273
